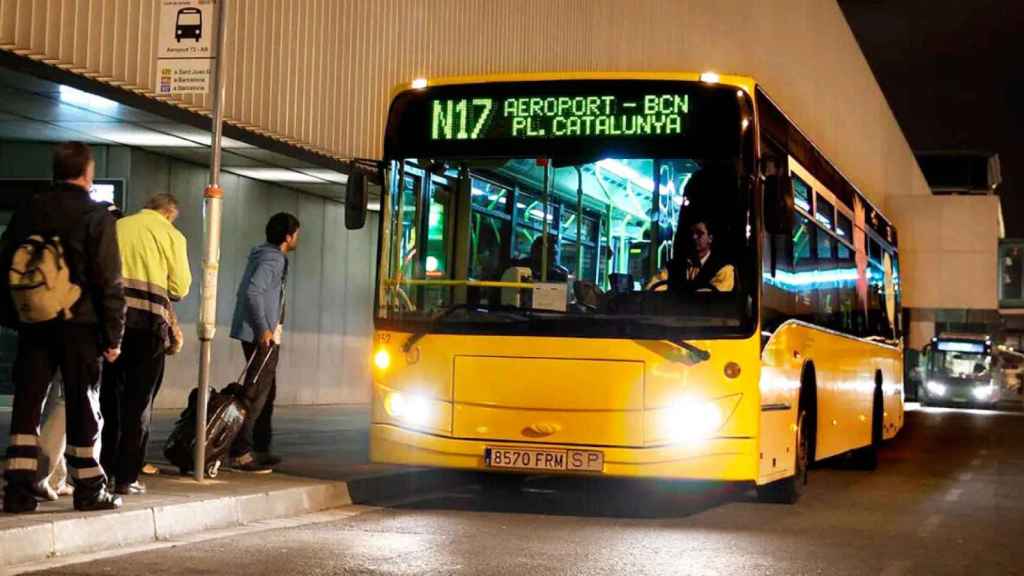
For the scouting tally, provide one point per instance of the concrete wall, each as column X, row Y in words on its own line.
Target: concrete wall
column 326, row 347
column 948, row 250
column 320, row 72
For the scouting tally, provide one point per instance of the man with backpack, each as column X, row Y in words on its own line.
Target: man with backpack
column 154, row 262
column 65, row 297
column 258, row 322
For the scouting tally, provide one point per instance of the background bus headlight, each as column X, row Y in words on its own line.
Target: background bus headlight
column 690, row 419
column 936, row 389
column 411, row 409
column 983, row 392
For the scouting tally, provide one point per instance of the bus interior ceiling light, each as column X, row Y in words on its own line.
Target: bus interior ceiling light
column 419, row 83
column 709, row 77
column 77, row 97
column 626, row 173
column 690, row 419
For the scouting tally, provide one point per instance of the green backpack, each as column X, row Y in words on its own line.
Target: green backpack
column 40, row 281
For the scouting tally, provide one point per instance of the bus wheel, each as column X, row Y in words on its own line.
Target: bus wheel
column 866, row 458
column 788, row 490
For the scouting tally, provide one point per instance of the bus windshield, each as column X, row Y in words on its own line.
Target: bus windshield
column 603, row 209
column 960, row 364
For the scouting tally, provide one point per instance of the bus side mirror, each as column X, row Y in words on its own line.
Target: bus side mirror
column 357, row 198
column 778, row 205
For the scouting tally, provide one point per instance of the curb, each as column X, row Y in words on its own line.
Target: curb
column 94, row 532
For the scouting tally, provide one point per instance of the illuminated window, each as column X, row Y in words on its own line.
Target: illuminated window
column 801, row 194
column 844, row 227
column 803, row 232
column 825, row 213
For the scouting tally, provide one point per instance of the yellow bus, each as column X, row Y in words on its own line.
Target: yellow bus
column 639, row 275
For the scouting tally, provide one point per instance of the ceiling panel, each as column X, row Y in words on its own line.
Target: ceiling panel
column 25, row 82
column 193, row 134
column 32, row 130
column 194, row 154
column 129, row 134
column 274, row 159
column 40, row 108
column 332, row 191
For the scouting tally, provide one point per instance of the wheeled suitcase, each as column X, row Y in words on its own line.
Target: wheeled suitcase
column 225, row 414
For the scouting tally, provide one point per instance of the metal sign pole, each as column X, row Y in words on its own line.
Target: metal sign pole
column 212, row 198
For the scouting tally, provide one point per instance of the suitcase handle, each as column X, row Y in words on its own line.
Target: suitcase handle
column 241, row 377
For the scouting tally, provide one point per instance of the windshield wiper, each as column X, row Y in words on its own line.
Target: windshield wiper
column 676, row 350
column 698, row 354
column 429, row 326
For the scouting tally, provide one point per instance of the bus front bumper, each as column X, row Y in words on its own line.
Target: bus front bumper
column 715, row 459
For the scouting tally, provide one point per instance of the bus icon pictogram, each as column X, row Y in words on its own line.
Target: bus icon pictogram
column 188, row 24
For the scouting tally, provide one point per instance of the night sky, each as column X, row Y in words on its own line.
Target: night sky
column 951, row 70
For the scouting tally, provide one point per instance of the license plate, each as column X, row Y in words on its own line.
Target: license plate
column 544, row 459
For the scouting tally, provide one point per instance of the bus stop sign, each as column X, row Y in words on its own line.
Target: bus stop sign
column 186, row 47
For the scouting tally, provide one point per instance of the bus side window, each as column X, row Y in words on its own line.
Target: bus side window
column 825, row 284
column 804, row 268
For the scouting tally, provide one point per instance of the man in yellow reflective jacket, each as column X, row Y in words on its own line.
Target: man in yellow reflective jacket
column 154, row 263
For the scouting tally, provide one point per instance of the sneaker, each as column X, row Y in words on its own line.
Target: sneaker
column 266, row 458
column 65, row 490
column 150, row 470
column 19, row 502
column 249, row 464
column 43, row 491
column 134, row 489
column 103, row 500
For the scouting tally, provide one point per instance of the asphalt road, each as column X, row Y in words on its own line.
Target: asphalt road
column 948, row 498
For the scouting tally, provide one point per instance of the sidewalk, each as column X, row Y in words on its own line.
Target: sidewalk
column 326, row 465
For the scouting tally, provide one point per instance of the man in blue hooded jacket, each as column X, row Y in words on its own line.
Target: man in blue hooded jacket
column 257, row 323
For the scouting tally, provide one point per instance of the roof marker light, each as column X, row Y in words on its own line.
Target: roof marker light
column 709, row 77
column 419, row 83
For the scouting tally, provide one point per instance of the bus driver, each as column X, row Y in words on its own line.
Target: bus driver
column 707, row 271
column 700, row 270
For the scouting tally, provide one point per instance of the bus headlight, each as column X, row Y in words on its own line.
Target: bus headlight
column 983, row 392
column 936, row 389
column 411, row 409
column 690, row 419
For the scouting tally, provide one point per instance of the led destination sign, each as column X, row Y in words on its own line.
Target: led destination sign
column 546, row 117
column 568, row 119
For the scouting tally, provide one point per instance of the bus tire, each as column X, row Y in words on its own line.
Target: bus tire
column 866, row 458
column 788, row 490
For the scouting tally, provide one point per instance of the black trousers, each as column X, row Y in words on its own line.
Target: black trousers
column 259, row 395
column 129, row 387
column 42, row 348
